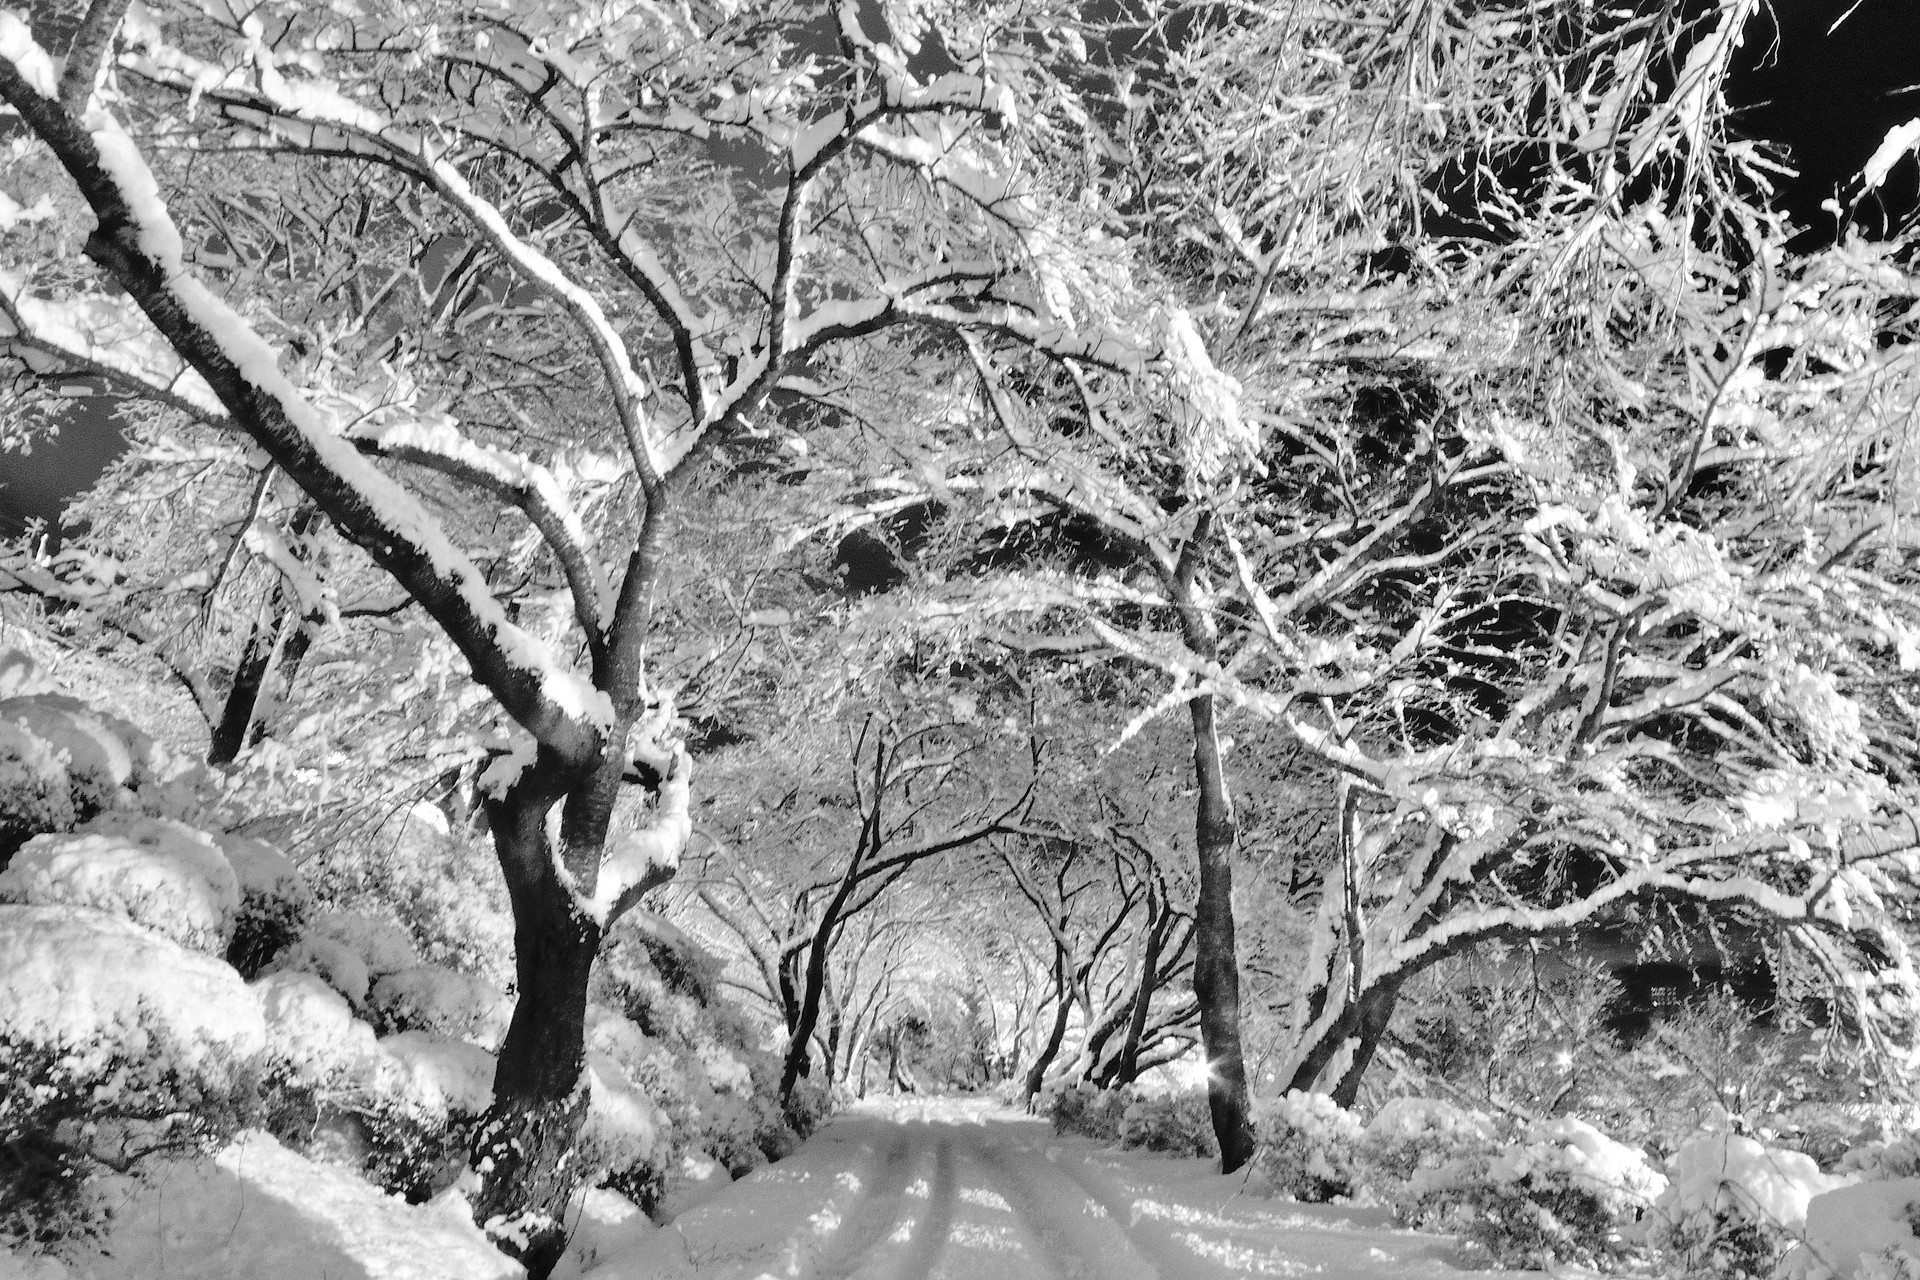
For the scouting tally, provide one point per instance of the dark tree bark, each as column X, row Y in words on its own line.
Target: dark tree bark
column 1216, row 964
column 538, row 1105
column 1062, row 1014
column 241, row 710
column 1128, row 1069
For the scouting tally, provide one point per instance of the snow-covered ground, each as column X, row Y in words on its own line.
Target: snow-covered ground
column 963, row 1189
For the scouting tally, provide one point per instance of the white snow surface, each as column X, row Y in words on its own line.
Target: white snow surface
column 158, row 873
column 1726, row 1174
column 312, row 1033
column 1851, row 1228
column 262, row 1212
column 382, row 945
column 441, row 1074
column 428, row 997
column 101, row 986
column 332, row 961
column 963, row 1189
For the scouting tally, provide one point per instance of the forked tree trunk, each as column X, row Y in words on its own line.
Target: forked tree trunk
column 1129, row 1068
column 1216, row 966
column 1216, row 963
column 523, row 1150
column 1062, row 1014
column 241, row 709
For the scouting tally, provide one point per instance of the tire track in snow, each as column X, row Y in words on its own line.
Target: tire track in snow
column 929, row 1238
column 1076, row 1236
column 872, row 1213
column 1148, row 1240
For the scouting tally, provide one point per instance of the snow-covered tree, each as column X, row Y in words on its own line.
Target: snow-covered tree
column 703, row 201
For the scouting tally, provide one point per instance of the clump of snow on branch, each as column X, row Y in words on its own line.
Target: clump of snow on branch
column 1217, row 436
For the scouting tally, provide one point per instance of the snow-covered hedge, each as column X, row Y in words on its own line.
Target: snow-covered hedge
column 159, row 874
column 115, row 1043
column 1563, row 1192
column 1735, row 1206
column 1309, row 1146
column 274, row 902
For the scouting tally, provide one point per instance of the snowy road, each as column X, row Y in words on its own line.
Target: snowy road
column 963, row 1190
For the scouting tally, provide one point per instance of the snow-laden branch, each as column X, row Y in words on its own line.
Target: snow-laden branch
column 102, row 336
column 316, row 104
column 138, row 243
column 439, row 445
column 638, row 861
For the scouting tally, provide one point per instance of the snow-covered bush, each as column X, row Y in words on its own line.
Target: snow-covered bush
column 1175, row 1122
column 274, row 902
column 1865, row 1231
column 1084, row 1109
column 157, row 873
column 35, row 795
column 349, row 951
column 1309, row 1146
column 660, row 1016
column 99, row 766
column 64, row 1116
column 115, row 1043
column 1409, row 1136
column 625, row 1137
column 1734, row 1206
column 431, row 998
column 1565, row 1192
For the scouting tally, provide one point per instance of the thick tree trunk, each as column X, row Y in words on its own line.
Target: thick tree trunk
column 242, row 710
column 1129, row 1067
column 1062, row 1014
column 249, row 678
column 1359, row 1027
column 523, row 1149
column 800, row 1040
column 1216, row 966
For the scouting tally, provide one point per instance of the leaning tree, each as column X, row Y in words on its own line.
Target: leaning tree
column 706, row 202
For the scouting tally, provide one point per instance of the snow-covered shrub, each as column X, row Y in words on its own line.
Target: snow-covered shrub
column 313, row 1039
column 65, row 1118
column 1409, row 1135
column 382, row 945
column 1309, row 1146
column 625, row 1136
column 430, row 998
column 1865, row 1231
column 93, row 983
column 115, row 1043
column 99, row 767
column 1175, row 1122
column 1087, row 1110
column 809, row 1104
column 35, row 795
column 349, row 951
column 1564, row 1193
column 443, row 884
column 274, row 902
column 660, row 1016
column 1734, row 1206
column 331, row 961
column 158, row 873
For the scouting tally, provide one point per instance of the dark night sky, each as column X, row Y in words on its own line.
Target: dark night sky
column 1830, row 94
